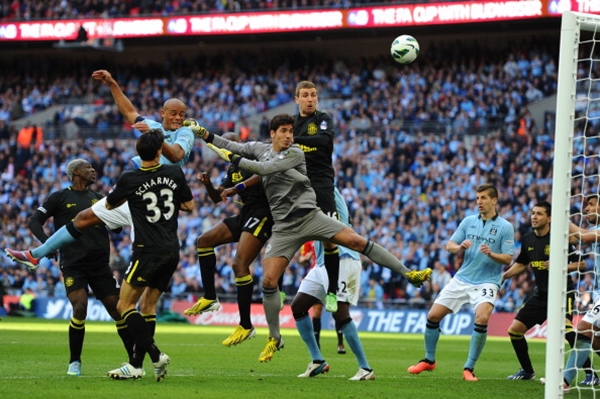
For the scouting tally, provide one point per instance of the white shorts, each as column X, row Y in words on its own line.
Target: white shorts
column 113, row 218
column 316, row 282
column 457, row 293
column 592, row 316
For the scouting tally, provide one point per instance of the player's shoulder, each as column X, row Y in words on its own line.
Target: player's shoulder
column 184, row 131
column 294, row 149
column 504, row 222
column 152, row 123
column 322, row 114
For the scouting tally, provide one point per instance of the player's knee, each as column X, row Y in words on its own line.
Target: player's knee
column 202, row 241
column 86, row 218
column 341, row 322
column 80, row 310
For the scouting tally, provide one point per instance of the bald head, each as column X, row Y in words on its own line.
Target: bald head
column 173, row 103
column 173, row 114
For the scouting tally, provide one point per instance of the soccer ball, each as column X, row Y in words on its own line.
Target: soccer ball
column 405, row 49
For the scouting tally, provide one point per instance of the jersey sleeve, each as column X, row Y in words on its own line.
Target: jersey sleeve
column 185, row 139
column 185, row 191
column 119, row 192
column 42, row 214
column 523, row 258
column 461, row 232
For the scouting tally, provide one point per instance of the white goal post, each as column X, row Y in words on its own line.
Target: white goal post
column 575, row 29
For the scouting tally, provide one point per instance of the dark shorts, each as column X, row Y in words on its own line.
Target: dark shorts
column 534, row 311
column 326, row 201
column 99, row 278
column 254, row 220
column 152, row 269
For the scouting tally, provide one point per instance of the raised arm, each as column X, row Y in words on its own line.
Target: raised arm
column 213, row 193
column 125, row 106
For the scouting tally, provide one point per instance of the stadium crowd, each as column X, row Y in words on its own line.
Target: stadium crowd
column 60, row 9
column 411, row 146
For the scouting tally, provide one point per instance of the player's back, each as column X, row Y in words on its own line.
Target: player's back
column 154, row 196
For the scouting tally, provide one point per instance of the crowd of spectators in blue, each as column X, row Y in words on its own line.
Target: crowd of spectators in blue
column 411, row 146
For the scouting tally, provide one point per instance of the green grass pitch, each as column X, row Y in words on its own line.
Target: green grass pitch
column 34, row 358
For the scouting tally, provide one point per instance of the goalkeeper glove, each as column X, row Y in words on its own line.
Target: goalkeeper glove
column 224, row 154
column 195, row 128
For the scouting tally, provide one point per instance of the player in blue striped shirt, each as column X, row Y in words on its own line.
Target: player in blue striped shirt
column 487, row 241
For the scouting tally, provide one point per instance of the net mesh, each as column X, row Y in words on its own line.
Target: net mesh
column 585, row 182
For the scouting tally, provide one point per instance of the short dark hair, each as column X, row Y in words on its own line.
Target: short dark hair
column 305, row 84
column 591, row 197
column 149, row 143
column 492, row 190
column 546, row 205
column 280, row 120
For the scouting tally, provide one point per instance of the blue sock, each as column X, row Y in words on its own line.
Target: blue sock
column 305, row 328
column 432, row 335
column 56, row 241
column 577, row 358
column 477, row 343
column 351, row 334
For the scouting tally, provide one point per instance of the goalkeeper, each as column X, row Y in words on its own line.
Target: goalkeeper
column 296, row 217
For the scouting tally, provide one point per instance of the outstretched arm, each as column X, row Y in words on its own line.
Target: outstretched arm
column 125, row 106
column 213, row 193
column 577, row 233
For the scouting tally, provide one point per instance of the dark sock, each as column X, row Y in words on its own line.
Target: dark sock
column 76, row 336
column 245, row 286
column 143, row 338
column 150, row 319
column 317, row 330
column 208, row 264
column 126, row 337
column 332, row 265
column 521, row 348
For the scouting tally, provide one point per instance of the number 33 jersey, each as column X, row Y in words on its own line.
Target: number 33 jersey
column 154, row 196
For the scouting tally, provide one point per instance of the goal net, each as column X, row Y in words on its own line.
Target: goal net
column 576, row 176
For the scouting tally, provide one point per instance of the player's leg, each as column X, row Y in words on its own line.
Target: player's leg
column 249, row 246
column 66, row 235
column 206, row 243
column 516, row 332
column 78, row 299
column 482, row 300
column 110, row 303
column 309, row 292
column 345, row 324
column 106, row 288
column 151, row 274
column 317, row 312
column 350, row 239
column 326, row 201
column 272, row 269
column 341, row 350
column 585, row 340
column 581, row 350
column 591, row 378
column 449, row 300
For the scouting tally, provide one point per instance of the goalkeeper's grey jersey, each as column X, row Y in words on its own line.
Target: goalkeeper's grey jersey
column 283, row 175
